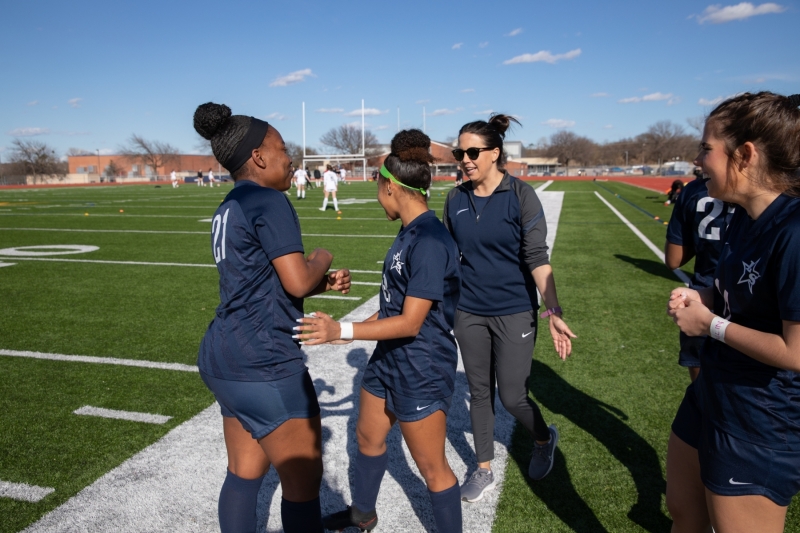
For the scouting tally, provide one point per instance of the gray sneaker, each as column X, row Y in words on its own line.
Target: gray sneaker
column 542, row 458
column 478, row 483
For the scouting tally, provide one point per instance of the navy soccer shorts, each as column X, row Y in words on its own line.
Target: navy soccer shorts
column 405, row 408
column 730, row 466
column 262, row 406
column 690, row 350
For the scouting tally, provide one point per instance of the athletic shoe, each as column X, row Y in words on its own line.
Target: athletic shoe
column 542, row 458
column 322, row 209
column 478, row 483
column 351, row 517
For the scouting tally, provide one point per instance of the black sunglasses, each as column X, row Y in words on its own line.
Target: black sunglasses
column 472, row 153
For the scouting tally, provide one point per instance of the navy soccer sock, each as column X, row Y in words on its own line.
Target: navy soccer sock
column 447, row 509
column 303, row 517
column 368, row 475
column 237, row 504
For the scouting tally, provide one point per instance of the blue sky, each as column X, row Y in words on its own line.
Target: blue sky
column 89, row 74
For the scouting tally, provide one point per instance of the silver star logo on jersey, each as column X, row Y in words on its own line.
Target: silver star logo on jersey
column 750, row 275
column 396, row 263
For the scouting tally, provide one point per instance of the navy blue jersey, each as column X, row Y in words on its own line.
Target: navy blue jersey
column 698, row 224
column 757, row 285
column 250, row 338
column 423, row 263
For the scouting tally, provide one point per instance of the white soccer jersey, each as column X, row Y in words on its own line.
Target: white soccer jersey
column 330, row 178
column 173, row 176
column 300, row 176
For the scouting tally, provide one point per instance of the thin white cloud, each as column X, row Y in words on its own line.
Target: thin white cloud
column 422, row 101
column 106, row 151
column 467, row 91
column 74, row 102
column 293, row 77
column 330, row 110
column 29, row 132
column 600, row 95
column 654, row 97
column 484, row 44
column 456, row 46
column 712, row 101
column 716, row 14
column 544, row 56
column 383, row 127
column 33, row 102
column 559, row 123
column 443, row 111
column 276, row 116
column 608, row 127
column 368, row 112
column 514, row 32
column 485, row 112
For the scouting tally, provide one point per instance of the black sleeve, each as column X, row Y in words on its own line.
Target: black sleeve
column 445, row 218
column 533, row 226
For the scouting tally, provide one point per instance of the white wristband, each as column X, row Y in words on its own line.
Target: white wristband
column 347, row 331
column 718, row 327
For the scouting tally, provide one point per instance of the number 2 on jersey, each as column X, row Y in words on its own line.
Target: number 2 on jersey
column 716, row 210
column 219, row 221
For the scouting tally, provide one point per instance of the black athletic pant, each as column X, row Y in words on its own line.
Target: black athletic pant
column 498, row 348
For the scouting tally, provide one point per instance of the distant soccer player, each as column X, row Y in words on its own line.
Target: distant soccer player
column 410, row 377
column 248, row 358
column 696, row 229
column 733, row 458
column 300, row 179
column 199, row 178
column 331, row 179
column 343, row 175
column 174, row 178
column 317, row 178
column 499, row 225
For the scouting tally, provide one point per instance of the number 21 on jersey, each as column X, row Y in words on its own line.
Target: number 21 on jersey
column 716, row 210
column 220, row 221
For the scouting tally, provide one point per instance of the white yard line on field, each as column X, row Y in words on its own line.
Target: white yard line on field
column 173, row 485
column 132, row 416
column 544, row 185
column 100, row 261
column 99, row 360
column 660, row 254
column 23, row 492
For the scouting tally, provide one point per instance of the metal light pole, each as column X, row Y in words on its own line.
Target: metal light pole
column 626, row 158
column 98, row 161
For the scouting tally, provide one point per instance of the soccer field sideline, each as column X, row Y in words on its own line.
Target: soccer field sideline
column 122, row 505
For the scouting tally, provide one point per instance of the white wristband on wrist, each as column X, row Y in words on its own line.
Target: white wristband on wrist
column 347, row 331
column 717, row 328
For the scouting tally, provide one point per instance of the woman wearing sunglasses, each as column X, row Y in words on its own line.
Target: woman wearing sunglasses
column 411, row 375
column 499, row 226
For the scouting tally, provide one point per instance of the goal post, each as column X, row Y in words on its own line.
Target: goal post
column 339, row 158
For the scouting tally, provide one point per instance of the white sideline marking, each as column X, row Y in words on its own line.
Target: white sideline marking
column 173, row 485
column 206, row 220
column 100, row 360
column 329, row 297
column 6, row 264
column 133, row 416
column 544, row 185
column 23, row 492
column 171, row 232
column 678, row 272
column 110, row 262
column 372, row 283
column 365, row 271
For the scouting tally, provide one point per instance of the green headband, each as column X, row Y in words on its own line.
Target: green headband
column 386, row 174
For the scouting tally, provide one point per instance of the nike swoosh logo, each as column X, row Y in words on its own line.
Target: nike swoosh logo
column 461, row 211
column 421, row 408
column 526, row 334
column 732, row 482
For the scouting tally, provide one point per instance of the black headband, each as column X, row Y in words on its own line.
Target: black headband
column 795, row 100
column 252, row 140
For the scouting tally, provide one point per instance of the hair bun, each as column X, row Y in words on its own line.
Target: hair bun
column 210, row 118
column 501, row 123
column 412, row 145
column 795, row 100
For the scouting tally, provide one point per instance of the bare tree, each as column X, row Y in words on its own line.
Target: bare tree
column 72, row 152
column 113, row 169
column 202, row 145
column 666, row 140
column 568, row 146
column 155, row 154
column 295, row 151
column 346, row 139
column 35, row 159
column 697, row 123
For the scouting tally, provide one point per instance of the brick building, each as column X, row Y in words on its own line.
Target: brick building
column 183, row 164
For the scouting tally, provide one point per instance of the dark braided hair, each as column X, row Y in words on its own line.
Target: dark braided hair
column 772, row 123
column 410, row 159
column 492, row 133
column 225, row 131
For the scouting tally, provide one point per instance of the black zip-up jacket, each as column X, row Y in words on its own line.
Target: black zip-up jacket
column 499, row 246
